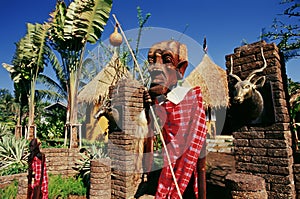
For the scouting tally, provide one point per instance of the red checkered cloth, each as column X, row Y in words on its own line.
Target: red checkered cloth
column 184, row 131
column 37, row 169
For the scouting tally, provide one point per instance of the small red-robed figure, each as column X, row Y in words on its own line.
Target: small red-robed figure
column 37, row 172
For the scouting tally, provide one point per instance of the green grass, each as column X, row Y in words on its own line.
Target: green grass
column 9, row 192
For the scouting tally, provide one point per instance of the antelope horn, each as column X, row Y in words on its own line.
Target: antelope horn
column 253, row 73
column 231, row 74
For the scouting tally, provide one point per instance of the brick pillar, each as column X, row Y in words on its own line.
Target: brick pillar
column 100, row 187
column 246, row 186
column 264, row 149
column 297, row 179
column 127, row 97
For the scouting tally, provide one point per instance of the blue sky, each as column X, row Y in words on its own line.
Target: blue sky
column 224, row 23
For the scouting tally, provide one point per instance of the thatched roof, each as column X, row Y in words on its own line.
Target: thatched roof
column 99, row 86
column 213, row 82
column 55, row 105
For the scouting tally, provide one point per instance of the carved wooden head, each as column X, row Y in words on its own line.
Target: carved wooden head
column 167, row 63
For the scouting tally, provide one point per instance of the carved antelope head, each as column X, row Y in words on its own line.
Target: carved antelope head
column 245, row 89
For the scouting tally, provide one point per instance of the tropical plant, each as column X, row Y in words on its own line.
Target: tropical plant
column 71, row 29
column 31, row 56
column 62, row 187
column 83, row 165
column 4, row 130
column 21, row 90
column 52, row 125
column 141, row 21
column 13, row 155
column 294, row 92
column 8, row 109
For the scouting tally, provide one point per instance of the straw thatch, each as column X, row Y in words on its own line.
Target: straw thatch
column 98, row 87
column 213, row 82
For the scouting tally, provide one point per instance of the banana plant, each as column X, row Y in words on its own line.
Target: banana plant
column 71, row 29
column 31, row 56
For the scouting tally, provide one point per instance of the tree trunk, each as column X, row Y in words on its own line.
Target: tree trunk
column 73, row 111
column 31, row 133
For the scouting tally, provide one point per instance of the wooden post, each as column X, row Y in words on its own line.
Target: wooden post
column 73, row 127
column 30, row 132
column 18, row 131
column 66, row 134
column 201, row 166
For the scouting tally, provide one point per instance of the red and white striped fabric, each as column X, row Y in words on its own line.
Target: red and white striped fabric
column 184, row 131
column 37, row 169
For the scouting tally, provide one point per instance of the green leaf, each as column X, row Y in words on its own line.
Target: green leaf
column 86, row 19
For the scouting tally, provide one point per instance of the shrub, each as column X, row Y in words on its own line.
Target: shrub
column 13, row 155
column 53, row 124
column 83, row 165
column 14, row 168
column 4, row 130
column 63, row 187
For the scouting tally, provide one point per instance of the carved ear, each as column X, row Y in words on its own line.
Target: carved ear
column 260, row 82
column 181, row 67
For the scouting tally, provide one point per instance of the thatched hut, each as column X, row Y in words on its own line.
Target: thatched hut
column 98, row 87
column 95, row 92
column 213, row 82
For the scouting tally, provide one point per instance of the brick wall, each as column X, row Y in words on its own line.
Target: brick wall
column 61, row 161
column 297, row 179
column 264, row 149
column 246, row 186
column 7, row 180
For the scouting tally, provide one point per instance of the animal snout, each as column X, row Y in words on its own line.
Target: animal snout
column 238, row 99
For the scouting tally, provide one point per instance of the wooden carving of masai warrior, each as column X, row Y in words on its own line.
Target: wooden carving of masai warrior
column 182, row 118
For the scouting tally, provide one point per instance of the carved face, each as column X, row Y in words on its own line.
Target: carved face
column 167, row 64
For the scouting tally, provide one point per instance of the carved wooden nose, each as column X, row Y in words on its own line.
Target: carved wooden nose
column 158, row 59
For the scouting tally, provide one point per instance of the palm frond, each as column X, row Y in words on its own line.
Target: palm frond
column 57, row 22
column 50, row 95
column 52, row 85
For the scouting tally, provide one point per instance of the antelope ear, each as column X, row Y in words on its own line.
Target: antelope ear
column 260, row 82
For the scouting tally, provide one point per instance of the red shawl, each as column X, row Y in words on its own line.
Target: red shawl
column 37, row 168
column 184, row 131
